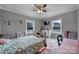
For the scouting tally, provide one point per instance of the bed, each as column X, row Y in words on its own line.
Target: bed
column 22, row 45
column 69, row 46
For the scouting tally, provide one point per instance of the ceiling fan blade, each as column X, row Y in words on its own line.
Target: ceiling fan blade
column 44, row 5
column 37, row 6
column 44, row 10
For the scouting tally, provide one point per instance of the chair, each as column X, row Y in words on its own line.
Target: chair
column 59, row 39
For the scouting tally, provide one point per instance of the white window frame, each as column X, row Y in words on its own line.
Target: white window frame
column 60, row 26
column 30, row 31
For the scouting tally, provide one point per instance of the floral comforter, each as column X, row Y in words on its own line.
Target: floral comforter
column 11, row 46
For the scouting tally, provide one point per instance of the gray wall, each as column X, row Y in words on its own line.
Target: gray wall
column 69, row 21
column 16, row 26
column 0, row 20
column 78, row 23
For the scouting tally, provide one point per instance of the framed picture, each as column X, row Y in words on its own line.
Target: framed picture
column 8, row 22
column 20, row 21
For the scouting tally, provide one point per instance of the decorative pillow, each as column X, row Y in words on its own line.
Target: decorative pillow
column 39, row 34
column 2, row 41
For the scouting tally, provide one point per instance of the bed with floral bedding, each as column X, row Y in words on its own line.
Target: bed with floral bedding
column 22, row 45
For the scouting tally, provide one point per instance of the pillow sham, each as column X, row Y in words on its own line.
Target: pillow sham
column 2, row 41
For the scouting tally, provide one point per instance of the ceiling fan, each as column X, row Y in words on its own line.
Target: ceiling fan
column 40, row 8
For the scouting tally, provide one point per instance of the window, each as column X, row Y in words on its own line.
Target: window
column 30, row 26
column 57, row 26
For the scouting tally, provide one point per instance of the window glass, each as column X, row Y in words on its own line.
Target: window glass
column 30, row 26
column 57, row 25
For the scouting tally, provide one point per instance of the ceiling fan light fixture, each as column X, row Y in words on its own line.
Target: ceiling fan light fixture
column 39, row 11
column 40, row 8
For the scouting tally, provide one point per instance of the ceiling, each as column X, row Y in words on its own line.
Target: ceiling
column 27, row 9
